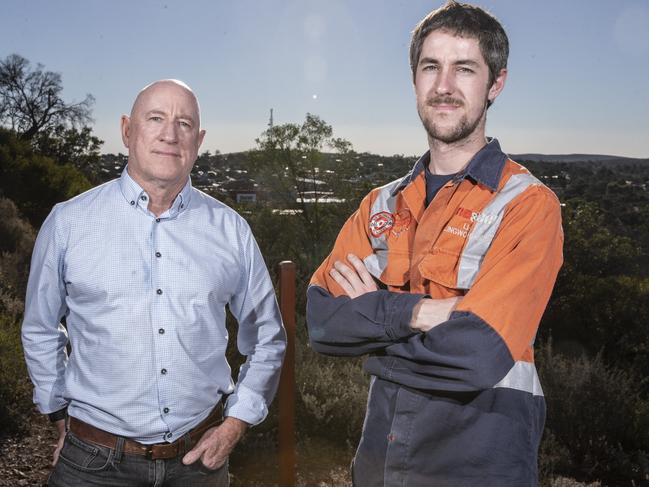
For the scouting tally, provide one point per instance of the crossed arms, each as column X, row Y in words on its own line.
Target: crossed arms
column 356, row 281
column 465, row 344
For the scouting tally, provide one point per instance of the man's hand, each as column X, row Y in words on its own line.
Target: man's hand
column 215, row 445
column 355, row 282
column 428, row 313
column 60, row 427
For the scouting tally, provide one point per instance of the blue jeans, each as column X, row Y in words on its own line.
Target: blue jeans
column 86, row 464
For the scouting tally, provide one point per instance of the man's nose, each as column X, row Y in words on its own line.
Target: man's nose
column 169, row 132
column 445, row 82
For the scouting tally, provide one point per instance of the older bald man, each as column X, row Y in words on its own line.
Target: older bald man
column 141, row 268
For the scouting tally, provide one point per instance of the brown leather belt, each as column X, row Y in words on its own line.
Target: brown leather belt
column 156, row 451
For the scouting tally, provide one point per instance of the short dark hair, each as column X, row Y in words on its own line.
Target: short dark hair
column 464, row 20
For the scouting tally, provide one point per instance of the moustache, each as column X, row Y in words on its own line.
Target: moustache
column 444, row 100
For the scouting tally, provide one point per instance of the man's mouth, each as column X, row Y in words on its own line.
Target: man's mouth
column 445, row 103
column 166, row 153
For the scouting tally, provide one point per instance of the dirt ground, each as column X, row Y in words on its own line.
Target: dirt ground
column 26, row 460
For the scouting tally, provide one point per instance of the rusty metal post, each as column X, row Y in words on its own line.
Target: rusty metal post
column 286, row 272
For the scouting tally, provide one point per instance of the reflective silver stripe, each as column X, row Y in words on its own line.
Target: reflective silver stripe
column 522, row 377
column 385, row 201
column 480, row 238
column 376, row 262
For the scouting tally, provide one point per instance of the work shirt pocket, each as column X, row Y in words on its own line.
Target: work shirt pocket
column 447, row 260
column 440, row 267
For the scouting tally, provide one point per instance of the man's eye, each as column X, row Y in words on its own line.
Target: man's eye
column 465, row 70
column 430, row 67
column 155, row 118
column 185, row 124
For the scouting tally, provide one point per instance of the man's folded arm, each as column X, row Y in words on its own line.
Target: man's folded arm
column 339, row 325
column 344, row 326
column 495, row 323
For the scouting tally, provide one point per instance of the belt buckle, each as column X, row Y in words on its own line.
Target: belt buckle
column 162, row 451
column 148, row 453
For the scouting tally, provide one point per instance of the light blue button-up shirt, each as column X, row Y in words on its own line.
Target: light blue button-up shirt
column 144, row 304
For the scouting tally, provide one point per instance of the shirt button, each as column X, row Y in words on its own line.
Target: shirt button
column 158, row 254
column 163, row 371
column 168, row 436
column 157, row 220
column 159, row 291
column 143, row 198
column 182, row 206
column 132, row 202
column 161, row 331
column 165, row 410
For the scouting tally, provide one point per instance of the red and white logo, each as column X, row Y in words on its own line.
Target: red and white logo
column 380, row 223
column 475, row 216
column 401, row 222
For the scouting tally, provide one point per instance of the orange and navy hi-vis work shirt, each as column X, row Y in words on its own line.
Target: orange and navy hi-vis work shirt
column 461, row 404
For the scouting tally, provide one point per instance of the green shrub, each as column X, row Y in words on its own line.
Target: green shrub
column 602, row 314
column 16, row 243
column 594, row 418
column 566, row 482
column 35, row 182
column 332, row 392
column 15, row 387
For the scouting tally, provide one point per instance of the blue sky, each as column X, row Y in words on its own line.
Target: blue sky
column 578, row 69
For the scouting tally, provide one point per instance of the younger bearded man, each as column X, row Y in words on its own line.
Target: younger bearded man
column 443, row 276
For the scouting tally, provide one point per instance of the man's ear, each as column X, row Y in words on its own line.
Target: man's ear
column 497, row 86
column 125, row 129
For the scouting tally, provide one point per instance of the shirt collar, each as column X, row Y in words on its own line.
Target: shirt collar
column 485, row 167
column 137, row 197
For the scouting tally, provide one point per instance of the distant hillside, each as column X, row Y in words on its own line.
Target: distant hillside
column 579, row 158
column 232, row 175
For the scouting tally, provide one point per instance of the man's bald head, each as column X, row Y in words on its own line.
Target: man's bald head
column 152, row 88
column 163, row 135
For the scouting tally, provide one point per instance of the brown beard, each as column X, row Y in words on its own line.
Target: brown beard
column 461, row 131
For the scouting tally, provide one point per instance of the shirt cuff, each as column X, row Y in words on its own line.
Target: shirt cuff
column 247, row 406
column 58, row 415
column 401, row 314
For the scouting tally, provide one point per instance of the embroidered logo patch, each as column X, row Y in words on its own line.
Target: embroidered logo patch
column 381, row 222
column 401, row 222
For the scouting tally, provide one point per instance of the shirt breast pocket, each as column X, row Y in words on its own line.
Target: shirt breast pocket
column 440, row 267
column 450, row 268
column 450, row 262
